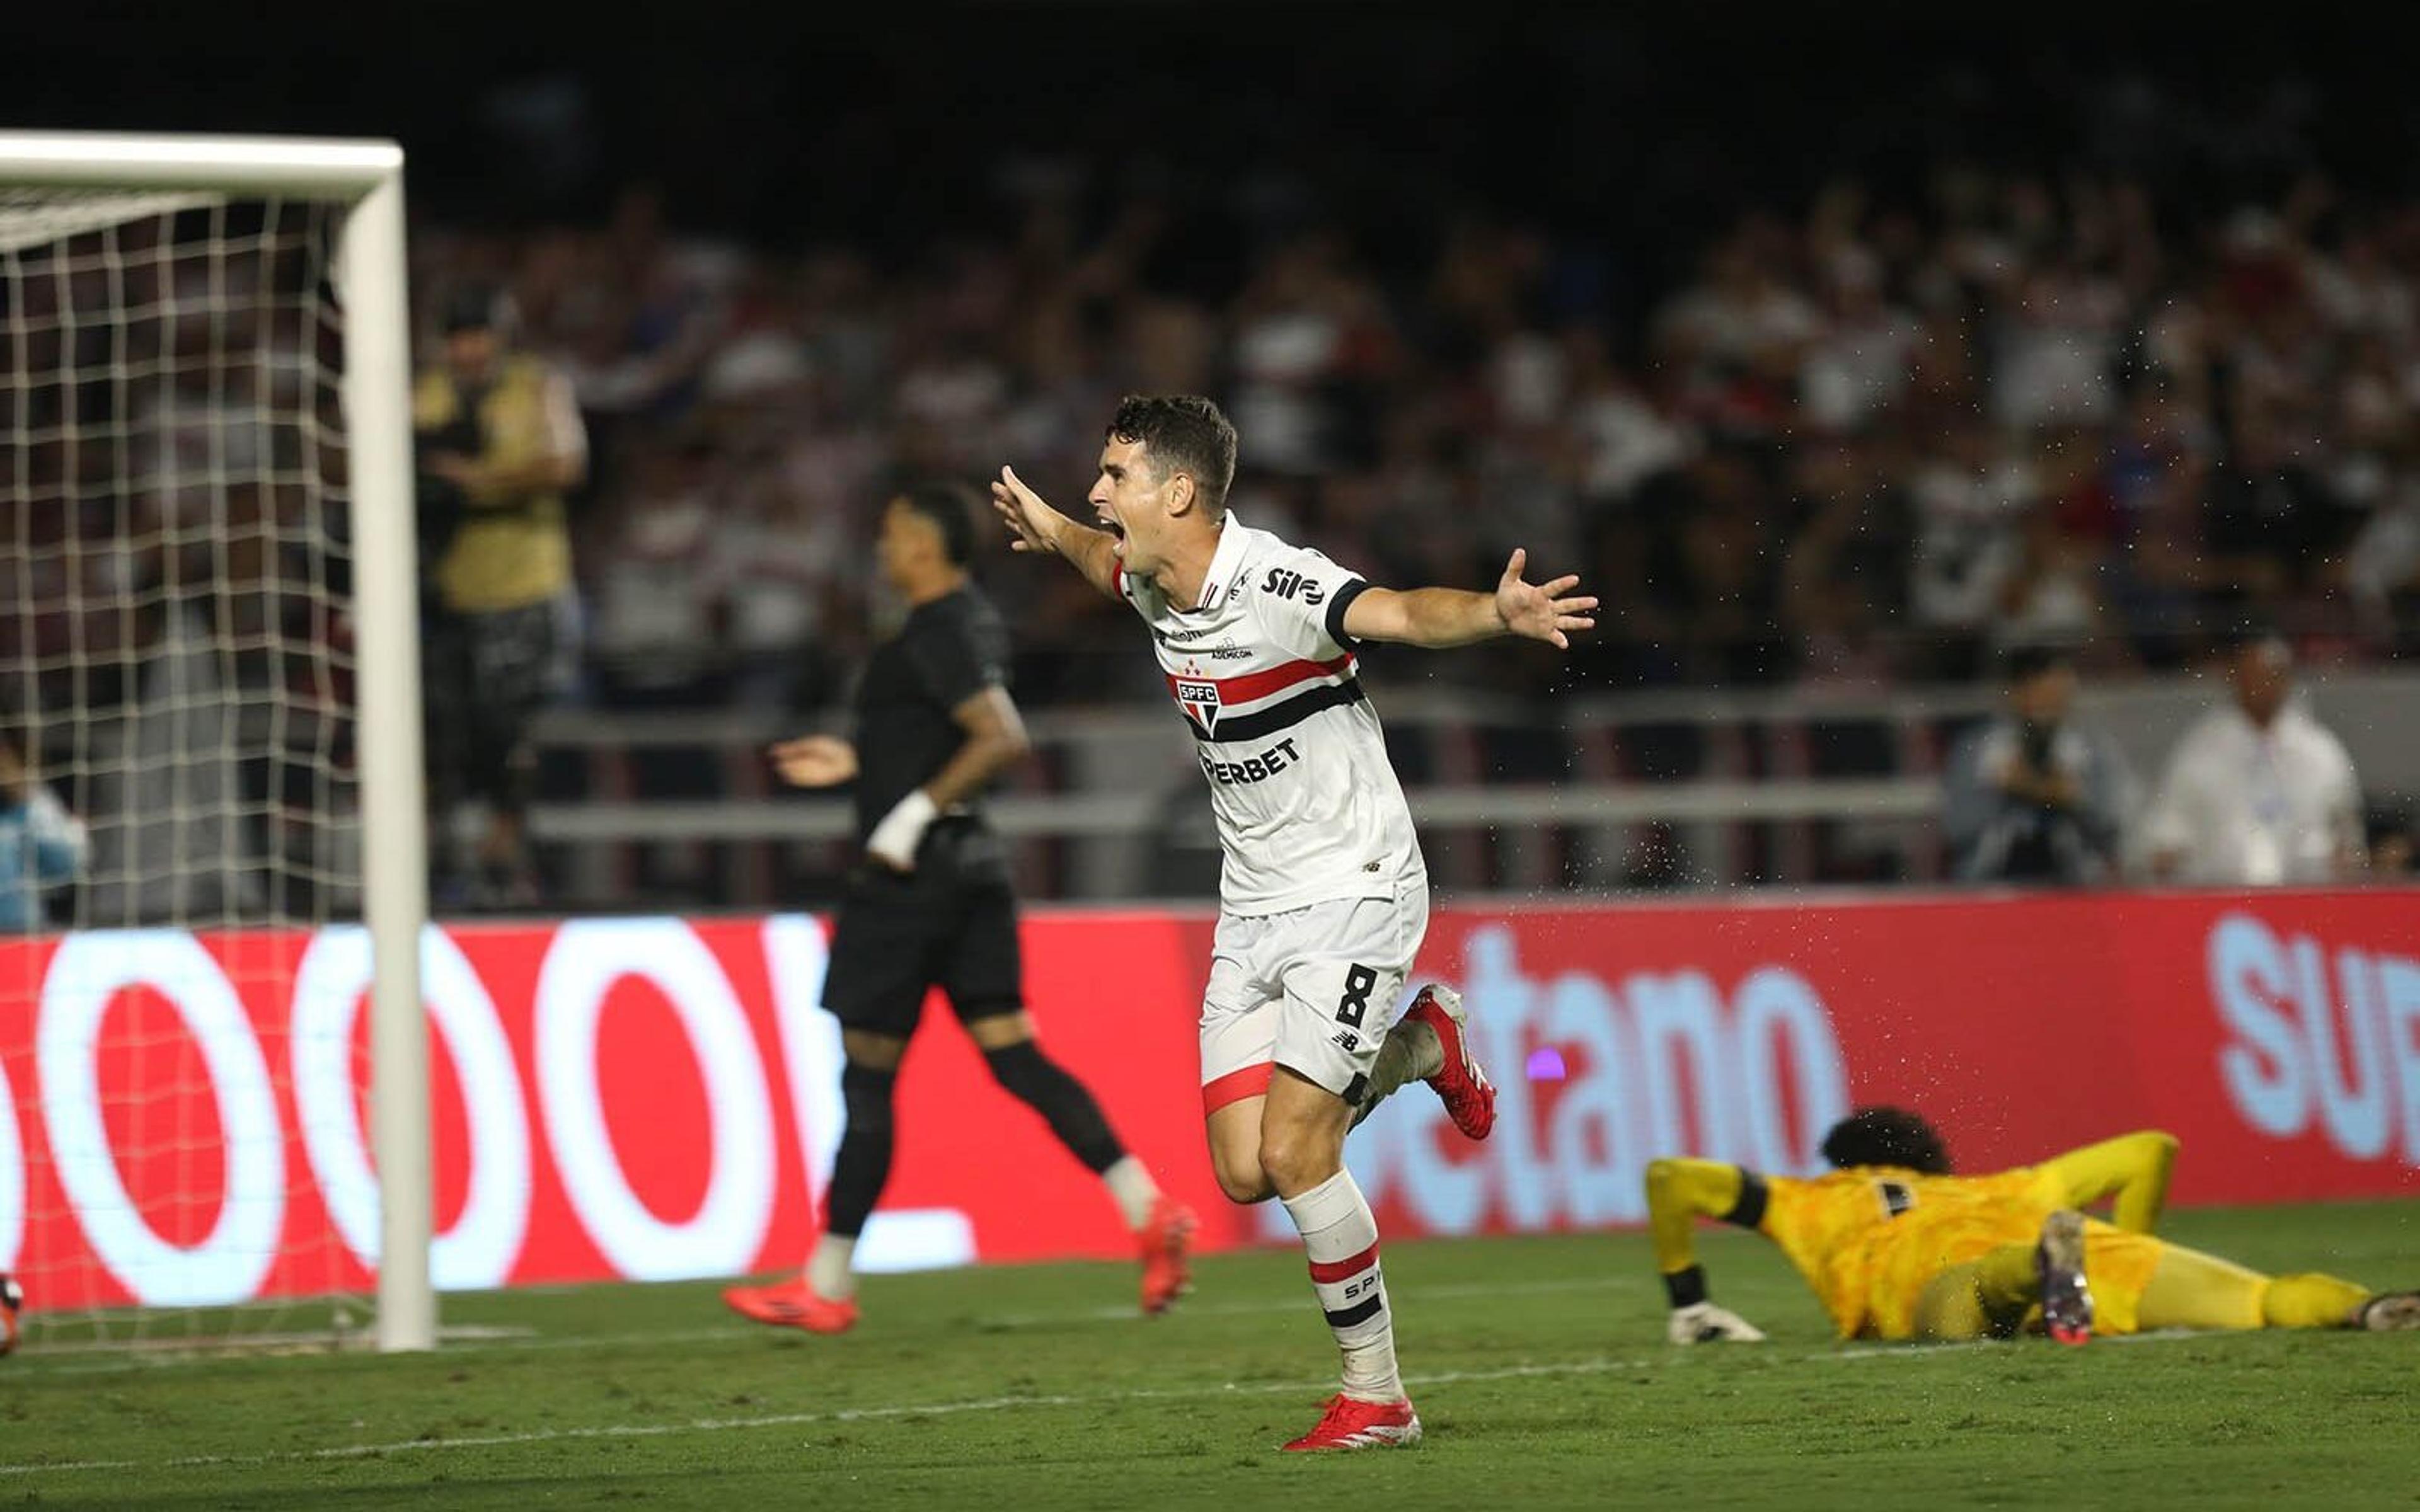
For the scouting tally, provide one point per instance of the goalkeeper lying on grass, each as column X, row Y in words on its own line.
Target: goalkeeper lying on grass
column 1896, row 1247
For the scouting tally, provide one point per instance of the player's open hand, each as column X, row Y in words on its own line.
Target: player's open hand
column 1029, row 519
column 816, row 760
column 1542, row 611
column 1705, row 1324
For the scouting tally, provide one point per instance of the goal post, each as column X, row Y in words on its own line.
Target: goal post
column 359, row 183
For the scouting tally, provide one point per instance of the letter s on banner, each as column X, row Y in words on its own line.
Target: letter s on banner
column 86, row 973
column 478, row 1251
column 723, row 1237
column 2268, row 1078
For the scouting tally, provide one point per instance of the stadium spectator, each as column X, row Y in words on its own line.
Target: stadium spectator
column 2258, row 792
column 2030, row 796
column 42, row 846
column 2074, row 411
column 500, row 444
column 2394, row 842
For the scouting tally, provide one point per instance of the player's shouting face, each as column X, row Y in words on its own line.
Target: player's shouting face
column 1138, row 500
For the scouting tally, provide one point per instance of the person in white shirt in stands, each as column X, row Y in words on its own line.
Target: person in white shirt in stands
column 2257, row 793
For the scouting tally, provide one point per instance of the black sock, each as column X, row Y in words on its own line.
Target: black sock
column 1043, row 1085
column 863, row 1163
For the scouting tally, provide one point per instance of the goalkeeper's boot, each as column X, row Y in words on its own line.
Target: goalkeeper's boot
column 1167, row 1245
column 1347, row 1424
column 1468, row 1096
column 2066, row 1300
column 792, row 1305
column 2389, row 1313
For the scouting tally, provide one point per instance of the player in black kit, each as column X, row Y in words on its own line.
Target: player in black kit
column 930, row 906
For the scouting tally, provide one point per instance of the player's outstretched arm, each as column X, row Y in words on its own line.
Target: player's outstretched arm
column 1679, row 1193
column 1037, row 527
column 816, row 760
column 1442, row 617
column 2133, row 1168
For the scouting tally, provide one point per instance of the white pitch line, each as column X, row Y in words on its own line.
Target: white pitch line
column 987, row 1404
column 468, row 1342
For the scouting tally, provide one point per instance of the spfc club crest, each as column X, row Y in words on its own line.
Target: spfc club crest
column 1198, row 696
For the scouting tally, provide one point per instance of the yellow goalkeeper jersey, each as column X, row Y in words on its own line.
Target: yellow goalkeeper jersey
column 1868, row 1237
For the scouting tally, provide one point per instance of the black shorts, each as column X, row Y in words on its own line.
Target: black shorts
column 950, row 923
column 489, row 674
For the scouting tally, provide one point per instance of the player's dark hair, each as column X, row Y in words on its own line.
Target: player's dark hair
column 476, row 306
column 1887, row 1136
column 951, row 507
column 1184, row 433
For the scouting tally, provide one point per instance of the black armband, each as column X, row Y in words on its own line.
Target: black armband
column 1685, row 1287
column 1338, row 605
column 1748, row 1212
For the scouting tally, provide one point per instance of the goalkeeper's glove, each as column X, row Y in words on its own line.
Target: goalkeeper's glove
column 1702, row 1323
column 894, row 840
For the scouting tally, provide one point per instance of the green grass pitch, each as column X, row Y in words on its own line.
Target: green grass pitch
column 1538, row 1364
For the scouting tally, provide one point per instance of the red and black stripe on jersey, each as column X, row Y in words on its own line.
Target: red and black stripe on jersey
column 1258, row 704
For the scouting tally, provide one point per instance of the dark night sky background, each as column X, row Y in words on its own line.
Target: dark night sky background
column 1638, row 128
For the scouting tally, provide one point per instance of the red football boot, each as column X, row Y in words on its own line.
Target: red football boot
column 1167, row 1245
column 1348, row 1424
column 2066, row 1297
column 792, row 1305
column 1470, row 1097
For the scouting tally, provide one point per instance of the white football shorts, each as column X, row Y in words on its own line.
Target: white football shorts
column 1311, row 989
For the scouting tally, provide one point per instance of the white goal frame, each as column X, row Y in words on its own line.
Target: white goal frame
column 366, row 178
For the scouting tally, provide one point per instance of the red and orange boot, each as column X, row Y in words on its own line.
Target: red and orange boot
column 1167, row 1245
column 1470, row 1097
column 792, row 1305
column 1347, row 1424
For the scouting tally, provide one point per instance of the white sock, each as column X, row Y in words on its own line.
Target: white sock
column 1130, row 1181
column 828, row 1272
column 1341, row 1236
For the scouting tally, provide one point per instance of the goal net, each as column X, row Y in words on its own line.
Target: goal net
column 182, row 795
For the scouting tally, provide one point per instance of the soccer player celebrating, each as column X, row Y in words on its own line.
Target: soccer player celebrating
column 932, row 906
column 1897, row 1247
column 1324, row 895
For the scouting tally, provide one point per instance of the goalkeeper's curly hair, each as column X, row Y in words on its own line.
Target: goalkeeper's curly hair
column 1887, row 1136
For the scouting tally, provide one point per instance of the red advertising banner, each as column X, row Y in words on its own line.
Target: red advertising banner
column 657, row 1097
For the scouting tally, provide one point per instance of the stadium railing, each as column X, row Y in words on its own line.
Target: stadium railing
column 1694, row 790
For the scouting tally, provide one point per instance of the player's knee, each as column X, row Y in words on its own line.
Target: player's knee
column 1298, row 1160
column 865, row 1092
column 1240, row 1175
column 1020, row 1068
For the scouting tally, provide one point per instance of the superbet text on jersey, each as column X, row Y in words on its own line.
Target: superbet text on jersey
column 1308, row 808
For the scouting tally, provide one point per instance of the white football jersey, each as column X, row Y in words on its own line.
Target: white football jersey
column 1308, row 809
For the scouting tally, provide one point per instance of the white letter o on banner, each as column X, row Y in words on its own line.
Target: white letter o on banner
column 479, row 1250
column 588, row 956
column 228, row 1266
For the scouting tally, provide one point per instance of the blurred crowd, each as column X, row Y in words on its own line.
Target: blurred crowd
column 1869, row 440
